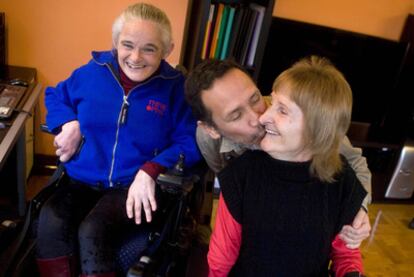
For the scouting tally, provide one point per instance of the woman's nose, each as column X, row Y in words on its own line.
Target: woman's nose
column 136, row 55
column 265, row 117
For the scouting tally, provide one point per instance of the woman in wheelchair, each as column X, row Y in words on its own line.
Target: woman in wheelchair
column 126, row 113
column 281, row 210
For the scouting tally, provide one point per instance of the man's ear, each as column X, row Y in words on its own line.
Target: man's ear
column 210, row 130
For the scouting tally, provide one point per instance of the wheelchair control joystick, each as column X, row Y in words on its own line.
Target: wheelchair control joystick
column 174, row 180
column 178, row 169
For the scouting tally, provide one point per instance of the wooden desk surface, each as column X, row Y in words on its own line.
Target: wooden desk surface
column 12, row 133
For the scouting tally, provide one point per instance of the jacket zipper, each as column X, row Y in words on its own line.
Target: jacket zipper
column 122, row 117
column 125, row 100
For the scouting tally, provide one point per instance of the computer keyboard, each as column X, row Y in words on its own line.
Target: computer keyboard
column 10, row 97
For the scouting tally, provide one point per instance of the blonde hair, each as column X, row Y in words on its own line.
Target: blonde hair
column 325, row 98
column 144, row 11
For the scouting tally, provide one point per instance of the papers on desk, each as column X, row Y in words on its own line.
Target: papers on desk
column 10, row 97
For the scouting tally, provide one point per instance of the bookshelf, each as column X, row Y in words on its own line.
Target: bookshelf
column 227, row 29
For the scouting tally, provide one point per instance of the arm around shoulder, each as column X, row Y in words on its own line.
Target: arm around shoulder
column 359, row 165
column 210, row 149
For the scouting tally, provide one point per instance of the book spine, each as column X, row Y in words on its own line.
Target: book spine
column 225, row 48
column 216, row 30
column 207, row 33
column 223, row 25
column 256, row 33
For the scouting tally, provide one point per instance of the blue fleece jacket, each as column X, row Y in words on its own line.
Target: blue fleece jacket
column 151, row 123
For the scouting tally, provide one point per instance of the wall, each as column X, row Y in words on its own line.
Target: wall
column 56, row 36
column 382, row 18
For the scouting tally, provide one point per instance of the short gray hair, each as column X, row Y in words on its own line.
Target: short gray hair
column 144, row 11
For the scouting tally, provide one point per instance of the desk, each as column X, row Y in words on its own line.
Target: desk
column 14, row 135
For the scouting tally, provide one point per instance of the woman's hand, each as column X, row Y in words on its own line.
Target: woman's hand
column 68, row 140
column 141, row 193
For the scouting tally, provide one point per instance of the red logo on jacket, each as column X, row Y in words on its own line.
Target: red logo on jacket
column 157, row 107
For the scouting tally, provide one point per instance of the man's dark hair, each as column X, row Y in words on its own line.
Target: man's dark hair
column 202, row 78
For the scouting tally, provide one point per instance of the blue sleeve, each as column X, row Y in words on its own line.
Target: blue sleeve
column 183, row 135
column 59, row 105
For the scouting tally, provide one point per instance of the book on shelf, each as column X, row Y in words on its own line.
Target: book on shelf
column 223, row 24
column 207, row 33
column 248, row 36
column 237, row 22
column 256, row 33
column 211, row 35
column 241, row 31
column 227, row 29
column 214, row 40
column 233, row 30
column 225, row 48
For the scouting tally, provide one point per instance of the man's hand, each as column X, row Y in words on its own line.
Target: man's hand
column 141, row 193
column 355, row 234
column 68, row 140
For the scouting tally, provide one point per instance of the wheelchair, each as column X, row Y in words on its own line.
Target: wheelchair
column 167, row 241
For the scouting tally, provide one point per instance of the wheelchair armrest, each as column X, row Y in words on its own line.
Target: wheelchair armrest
column 175, row 184
column 44, row 128
column 175, row 181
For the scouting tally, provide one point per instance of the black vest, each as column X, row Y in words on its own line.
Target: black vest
column 288, row 218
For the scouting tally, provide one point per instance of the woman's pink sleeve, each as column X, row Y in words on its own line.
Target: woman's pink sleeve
column 224, row 243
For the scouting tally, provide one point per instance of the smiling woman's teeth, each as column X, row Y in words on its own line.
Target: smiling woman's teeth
column 271, row 132
column 135, row 66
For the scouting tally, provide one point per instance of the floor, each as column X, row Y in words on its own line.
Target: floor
column 389, row 251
